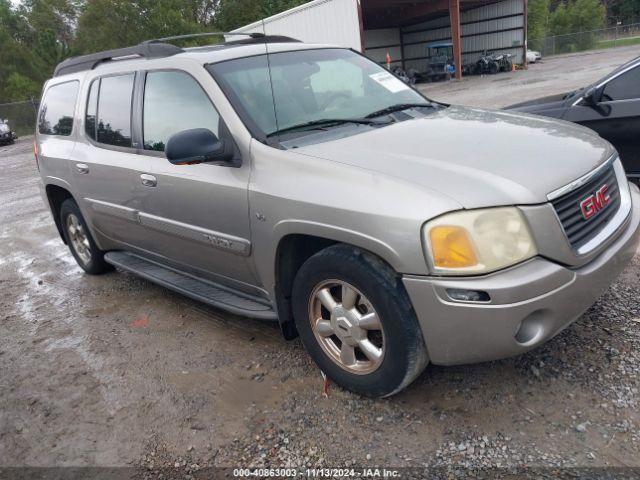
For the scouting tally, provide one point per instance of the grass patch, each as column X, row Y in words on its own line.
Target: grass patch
column 621, row 42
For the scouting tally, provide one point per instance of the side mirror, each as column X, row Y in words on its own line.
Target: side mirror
column 197, row 145
column 593, row 95
column 592, row 98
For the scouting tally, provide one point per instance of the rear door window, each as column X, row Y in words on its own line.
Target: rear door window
column 56, row 112
column 173, row 102
column 114, row 110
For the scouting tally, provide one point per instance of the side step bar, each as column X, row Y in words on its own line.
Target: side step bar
column 192, row 287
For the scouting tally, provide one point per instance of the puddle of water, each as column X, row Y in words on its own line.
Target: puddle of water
column 39, row 294
column 79, row 344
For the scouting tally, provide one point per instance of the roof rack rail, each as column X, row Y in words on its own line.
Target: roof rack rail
column 264, row 39
column 91, row 61
column 156, row 48
column 206, row 34
column 254, row 37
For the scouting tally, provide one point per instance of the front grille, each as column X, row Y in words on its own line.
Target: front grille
column 578, row 230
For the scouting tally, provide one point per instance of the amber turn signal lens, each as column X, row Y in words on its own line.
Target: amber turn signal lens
column 451, row 247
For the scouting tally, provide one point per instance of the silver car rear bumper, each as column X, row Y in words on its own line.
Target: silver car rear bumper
column 530, row 303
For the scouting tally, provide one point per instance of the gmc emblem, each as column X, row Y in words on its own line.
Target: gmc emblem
column 596, row 202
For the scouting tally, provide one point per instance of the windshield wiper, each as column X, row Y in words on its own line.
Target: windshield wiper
column 398, row 107
column 327, row 122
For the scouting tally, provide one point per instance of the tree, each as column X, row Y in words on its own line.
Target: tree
column 18, row 87
column 51, row 24
column 106, row 24
column 537, row 22
column 20, row 67
column 575, row 23
column 624, row 11
column 36, row 35
column 232, row 14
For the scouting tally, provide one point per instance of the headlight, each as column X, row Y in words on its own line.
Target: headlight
column 478, row 241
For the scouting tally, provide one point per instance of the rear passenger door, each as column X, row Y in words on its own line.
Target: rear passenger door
column 106, row 167
column 198, row 214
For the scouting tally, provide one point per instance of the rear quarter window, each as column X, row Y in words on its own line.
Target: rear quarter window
column 58, row 106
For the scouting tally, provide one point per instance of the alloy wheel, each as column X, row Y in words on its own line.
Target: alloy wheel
column 79, row 240
column 347, row 327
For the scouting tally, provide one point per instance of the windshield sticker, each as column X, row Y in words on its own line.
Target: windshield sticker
column 389, row 82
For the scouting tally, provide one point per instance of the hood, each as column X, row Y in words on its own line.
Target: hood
column 477, row 157
column 555, row 100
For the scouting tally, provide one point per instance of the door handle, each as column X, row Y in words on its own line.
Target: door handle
column 82, row 168
column 148, row 180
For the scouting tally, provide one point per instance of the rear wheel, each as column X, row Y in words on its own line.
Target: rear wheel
column 356, row 321
column 79, row 239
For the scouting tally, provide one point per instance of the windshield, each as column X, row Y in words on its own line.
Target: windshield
column 309, row 86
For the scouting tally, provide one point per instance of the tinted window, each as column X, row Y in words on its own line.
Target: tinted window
column 92, row 110
column 624, row 87
column 114, row 110
column 56, row 113
column 174, row 101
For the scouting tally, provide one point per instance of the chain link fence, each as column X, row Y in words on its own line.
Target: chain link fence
column 595, row 39
column 21, row 116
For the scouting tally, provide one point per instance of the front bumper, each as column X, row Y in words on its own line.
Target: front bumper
column 530, row 303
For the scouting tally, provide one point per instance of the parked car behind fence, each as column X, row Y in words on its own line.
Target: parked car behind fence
column 20, row 115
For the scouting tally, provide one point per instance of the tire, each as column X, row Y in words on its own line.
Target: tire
column 90, row 258
column 377, row 290
column 493, row 68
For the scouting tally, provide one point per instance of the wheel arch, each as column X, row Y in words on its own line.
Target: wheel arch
column 296, row 245
column 56, row 195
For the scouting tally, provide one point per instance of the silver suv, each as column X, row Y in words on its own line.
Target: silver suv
column 306, row 184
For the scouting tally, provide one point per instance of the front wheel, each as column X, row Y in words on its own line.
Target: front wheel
column 357, row 323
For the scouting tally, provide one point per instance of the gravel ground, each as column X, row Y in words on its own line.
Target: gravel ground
column 115, row 371
column 553, row 75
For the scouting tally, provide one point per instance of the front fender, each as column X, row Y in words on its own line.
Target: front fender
column 337, row 234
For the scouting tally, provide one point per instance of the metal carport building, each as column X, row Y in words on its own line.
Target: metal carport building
column 403, row 28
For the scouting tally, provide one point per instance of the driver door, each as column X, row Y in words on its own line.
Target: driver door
column 616, row 117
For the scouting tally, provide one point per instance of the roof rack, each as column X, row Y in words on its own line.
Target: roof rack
column 156, row 48
column 91, row 61
column 254, row 38
column 264, row 39
column 206, row 34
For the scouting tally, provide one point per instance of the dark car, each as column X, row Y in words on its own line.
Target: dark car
column 610, row 106
column 6, row 135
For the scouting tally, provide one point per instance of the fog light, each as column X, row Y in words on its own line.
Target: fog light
column 531, row 329
column 468, row 295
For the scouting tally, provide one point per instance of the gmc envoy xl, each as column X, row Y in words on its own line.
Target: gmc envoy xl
column 307, row 184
